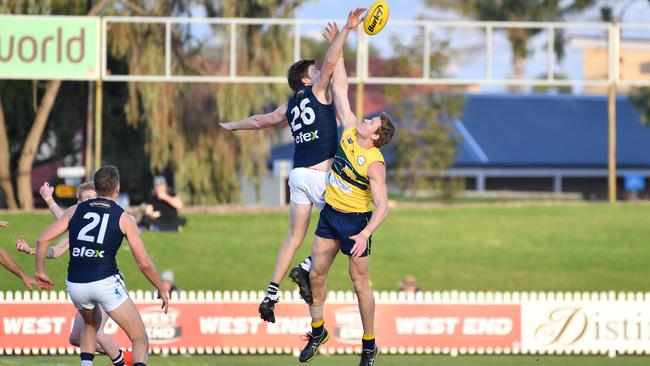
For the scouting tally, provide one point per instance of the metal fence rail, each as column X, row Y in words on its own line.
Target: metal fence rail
column 488, row 29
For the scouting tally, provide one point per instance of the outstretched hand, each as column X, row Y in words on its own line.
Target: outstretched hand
column 331, row 30
column 29, row 282
column 227, row 125
column 43, row 281
column 3, row 223
column 22, row 246
column 162, row 295
column 354, row 18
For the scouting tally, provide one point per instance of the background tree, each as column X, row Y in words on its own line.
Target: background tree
column 519, row 10
column 181, row 119
column 426, row 143
column 43, row 101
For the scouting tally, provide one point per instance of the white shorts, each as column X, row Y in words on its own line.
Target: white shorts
column 109, row 293
column 307, row 186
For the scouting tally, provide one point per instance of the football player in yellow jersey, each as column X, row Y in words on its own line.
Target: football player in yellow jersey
column 356, row 204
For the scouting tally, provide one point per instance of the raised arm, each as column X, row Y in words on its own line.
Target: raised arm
column 377, row 175
column 46, row 193
column 8, row 262
column 340, row 84
column 53, row 231
column 130, row 230
column 334, row 52
column 259, row 121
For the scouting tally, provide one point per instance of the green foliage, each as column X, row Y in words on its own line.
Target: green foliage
column 425, row 145
column 182, row 120
column 640, row 98
column 425, row 142
column 519, row 10
column 562, row 89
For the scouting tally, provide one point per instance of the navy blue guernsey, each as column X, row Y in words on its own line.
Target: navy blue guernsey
column 313, row 126
column 95, row 236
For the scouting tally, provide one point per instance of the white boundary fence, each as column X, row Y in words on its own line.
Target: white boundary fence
column 540, row 323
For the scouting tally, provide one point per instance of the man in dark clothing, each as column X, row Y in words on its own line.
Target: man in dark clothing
column 161, row 212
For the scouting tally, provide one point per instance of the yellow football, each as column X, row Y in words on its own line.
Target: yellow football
column 376, row 18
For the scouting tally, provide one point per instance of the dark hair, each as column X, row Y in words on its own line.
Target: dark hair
column 106, row 180
column 385, row 131
column 296, row 72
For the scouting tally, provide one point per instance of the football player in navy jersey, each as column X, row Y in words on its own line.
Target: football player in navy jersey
column 105, row 343
column 311, row 116
column 96, row 228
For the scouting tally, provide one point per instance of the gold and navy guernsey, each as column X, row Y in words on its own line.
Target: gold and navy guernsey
column 348, row 189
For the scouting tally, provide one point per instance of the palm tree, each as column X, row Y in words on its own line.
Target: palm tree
column 518, row 10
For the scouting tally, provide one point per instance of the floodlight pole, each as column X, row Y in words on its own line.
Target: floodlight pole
column 98, row 105
column 614, row 60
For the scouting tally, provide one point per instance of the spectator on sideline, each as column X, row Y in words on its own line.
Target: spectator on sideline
column 161, row 212
column 409, row 284
column 167, row 278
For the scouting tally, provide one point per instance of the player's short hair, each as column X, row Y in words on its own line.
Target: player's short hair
column 296, row 72
column 385, row 131
column 84, row 187
column 106, row 180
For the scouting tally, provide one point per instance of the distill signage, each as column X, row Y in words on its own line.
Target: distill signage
column 52, row 47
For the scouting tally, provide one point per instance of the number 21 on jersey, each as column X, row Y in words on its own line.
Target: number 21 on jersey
column 305, row 113
column 83, row 233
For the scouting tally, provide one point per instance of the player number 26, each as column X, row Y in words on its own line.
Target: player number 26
column 306, row 114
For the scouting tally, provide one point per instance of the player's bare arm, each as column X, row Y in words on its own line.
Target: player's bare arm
column 3, row 223
column 335, row 51
column 130, row 229
column 340, row 84
column 8, row 262
column 259, row 121
column 377, row 175
column 56, row 229
column 46, row 192
column 53, row 252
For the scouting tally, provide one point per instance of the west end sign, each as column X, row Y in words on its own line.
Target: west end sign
column 39, row 47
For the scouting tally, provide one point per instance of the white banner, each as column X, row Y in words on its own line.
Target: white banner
column 586, row 327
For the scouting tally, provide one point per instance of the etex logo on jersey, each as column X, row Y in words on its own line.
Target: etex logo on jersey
column 306, row 137
column 87, row 252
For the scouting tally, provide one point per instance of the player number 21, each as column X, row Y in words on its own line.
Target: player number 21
column 83, row 233
column 306, row 114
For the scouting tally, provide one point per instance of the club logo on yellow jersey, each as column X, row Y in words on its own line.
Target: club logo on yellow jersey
column 361, row 160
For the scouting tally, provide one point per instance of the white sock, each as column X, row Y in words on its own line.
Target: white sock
column 86, row 363
column 306, row 264
column 272, row 291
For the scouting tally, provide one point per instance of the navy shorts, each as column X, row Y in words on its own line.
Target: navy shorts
column 341, row 226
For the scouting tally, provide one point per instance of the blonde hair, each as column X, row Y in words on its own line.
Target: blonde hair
column 83, row 187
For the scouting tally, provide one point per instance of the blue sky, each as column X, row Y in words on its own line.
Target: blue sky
column 469, row 46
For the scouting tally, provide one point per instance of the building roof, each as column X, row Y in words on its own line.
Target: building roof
column 538, row 130
column 549, row 130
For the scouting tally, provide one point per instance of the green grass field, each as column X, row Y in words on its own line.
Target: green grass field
column 557, row 247
column 383, row 360
column 569, row 247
